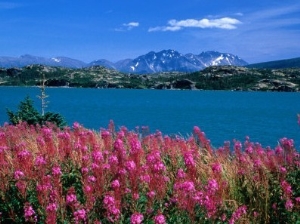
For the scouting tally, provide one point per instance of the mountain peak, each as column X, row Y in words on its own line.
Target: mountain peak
column 152, row 62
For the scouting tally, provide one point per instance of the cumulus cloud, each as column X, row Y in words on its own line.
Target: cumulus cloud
column 175, row 25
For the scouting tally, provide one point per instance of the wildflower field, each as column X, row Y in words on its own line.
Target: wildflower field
column 77, row 175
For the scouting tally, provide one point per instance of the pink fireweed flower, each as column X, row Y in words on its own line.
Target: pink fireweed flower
column 180, row 174
column 237, row 214
column 97, row 156
column 249, row 150
column 186, row 186
column 94, row 166
column 159, row 219
column 115, row 184
column 287, row 143
column 122, row 171
column 40, row 160
column 159, row 166
column 136, row 218
column 105, row 166
column 113, row 159
column 105, row 133
column 189, row 160
column 289, row 205
column 216, row 167
column 278, row 150
column 71, row 198
column 56, row 171
column 238, row 145
column 150, row 159
column 88, row 188
column 109, row 201
column 21, row 185
column 257, row 163
column 91, row 179
column 166, row 178
column 22, row 155
column 223, row 217
column 135, row 146
column 79, row 215
column 29, row 213
column 130, row 165
column 52, row 207
column 151, row 194
column 196, row 129
column 118, row 145
column 76, row 125
column 135, row 196
column 145, row 178
column 64, row 135
column 212, row 185
column 84, row 170
column 113, row 212
column 18, row 174
column 286, row 187
column 283, row 170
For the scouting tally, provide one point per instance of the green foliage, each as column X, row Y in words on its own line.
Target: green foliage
column 54, row 118
column 27, row 113
column 11, row 206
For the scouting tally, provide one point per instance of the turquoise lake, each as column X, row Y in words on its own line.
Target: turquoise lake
column 223, row 115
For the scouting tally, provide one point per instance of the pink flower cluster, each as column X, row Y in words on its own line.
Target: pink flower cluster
column 83, row 176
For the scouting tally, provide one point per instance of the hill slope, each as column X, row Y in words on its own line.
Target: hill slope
column 287, row 63
column 211, row 78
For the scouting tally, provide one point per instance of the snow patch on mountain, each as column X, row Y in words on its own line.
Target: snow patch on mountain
column 56, row 60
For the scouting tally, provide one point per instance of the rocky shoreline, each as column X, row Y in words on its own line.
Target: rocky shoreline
column 212, row 78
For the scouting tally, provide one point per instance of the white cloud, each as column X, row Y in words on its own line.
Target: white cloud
column 127, row 26
column 175, row 25
column 131, row 25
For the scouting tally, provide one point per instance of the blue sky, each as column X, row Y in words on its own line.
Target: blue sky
column 257, row 30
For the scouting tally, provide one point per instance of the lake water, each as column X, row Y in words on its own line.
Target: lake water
column 223, row 115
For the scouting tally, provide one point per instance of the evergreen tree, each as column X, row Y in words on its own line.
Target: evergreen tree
column 27, row 113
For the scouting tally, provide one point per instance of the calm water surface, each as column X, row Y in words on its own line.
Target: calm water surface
column 222, row 115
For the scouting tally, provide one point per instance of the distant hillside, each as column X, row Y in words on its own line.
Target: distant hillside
column 287, row 63
column 211, row 78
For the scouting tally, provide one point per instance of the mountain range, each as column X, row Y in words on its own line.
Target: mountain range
column 152, row 62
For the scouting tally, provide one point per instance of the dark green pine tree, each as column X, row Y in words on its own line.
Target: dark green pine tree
column 27, row 113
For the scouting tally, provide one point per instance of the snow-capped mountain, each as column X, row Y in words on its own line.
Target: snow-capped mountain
column 24, row 60
column 171, row 60
column 67, row 62
column 152, row 62
column 163, row 61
